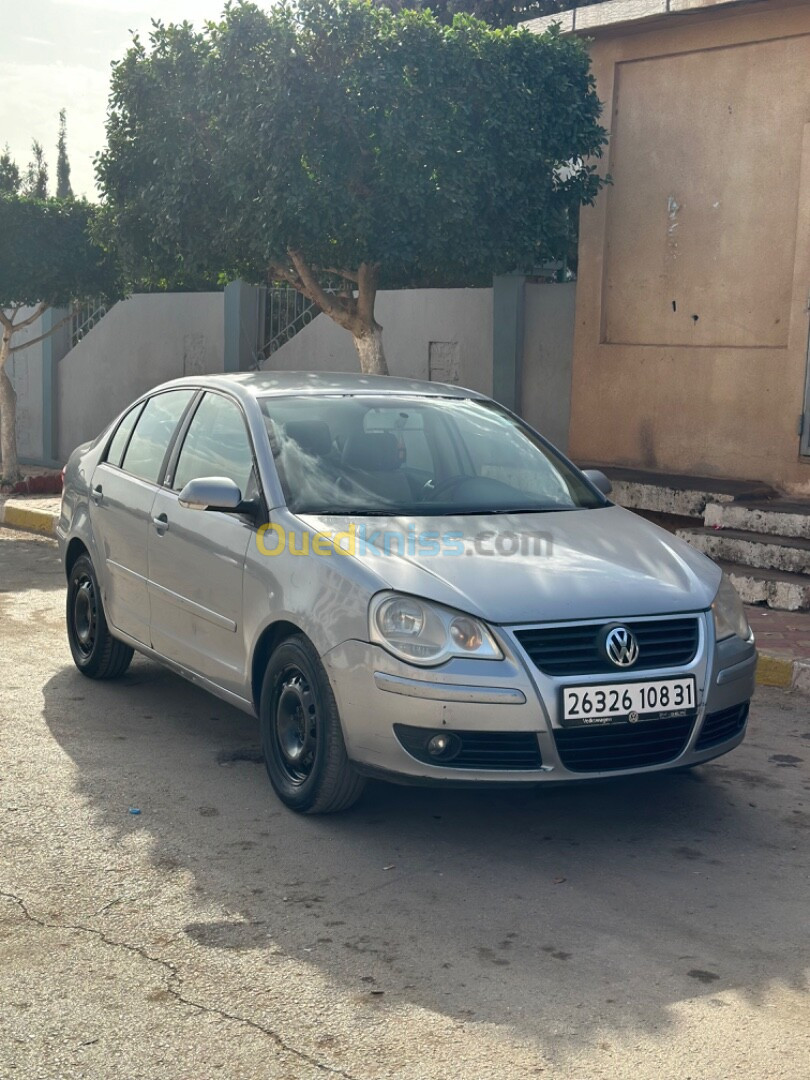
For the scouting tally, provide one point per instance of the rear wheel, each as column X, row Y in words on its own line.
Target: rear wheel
column 96, row 653
column 302, row 740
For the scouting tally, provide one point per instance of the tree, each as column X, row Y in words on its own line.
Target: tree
column 63, row 188
column 36, row 177
column 494, row 12
column 49, row 259
column 333, row 139
column 9, row 173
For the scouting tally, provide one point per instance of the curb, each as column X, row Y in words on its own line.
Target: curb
column 778, row 671
column 784, row 673
column 23, row 517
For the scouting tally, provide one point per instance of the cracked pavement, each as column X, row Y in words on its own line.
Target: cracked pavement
column 637, row 929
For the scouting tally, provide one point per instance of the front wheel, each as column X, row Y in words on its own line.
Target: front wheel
column 302, row 740
column 96, row 653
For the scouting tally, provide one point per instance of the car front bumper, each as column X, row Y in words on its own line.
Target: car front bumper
column 512, row 708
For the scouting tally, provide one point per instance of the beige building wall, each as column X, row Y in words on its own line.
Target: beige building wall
column 691, row 339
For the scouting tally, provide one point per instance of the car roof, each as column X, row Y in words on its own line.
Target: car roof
column 265, row 383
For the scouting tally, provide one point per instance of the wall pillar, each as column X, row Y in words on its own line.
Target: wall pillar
column 54, row 347
column 508, row 304
column 243, row 308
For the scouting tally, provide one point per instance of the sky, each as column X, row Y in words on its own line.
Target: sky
column 57, row 54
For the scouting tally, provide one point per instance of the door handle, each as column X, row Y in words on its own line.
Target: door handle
column 97, row 494
column 161, row 523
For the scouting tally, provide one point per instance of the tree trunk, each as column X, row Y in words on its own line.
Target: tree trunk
column 370, row 350
column 354, row 312
column 9, row 468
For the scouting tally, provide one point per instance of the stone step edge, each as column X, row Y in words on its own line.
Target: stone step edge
column 758, row 554
column 679, row 495
column 773, row 519
column 777, row 589
column 793, row 543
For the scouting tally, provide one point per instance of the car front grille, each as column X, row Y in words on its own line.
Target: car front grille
column 623, row 745
column 573, row 650
column 720, row 726
column 502, row 750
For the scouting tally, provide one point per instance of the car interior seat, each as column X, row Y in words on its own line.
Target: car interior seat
column 372, row 461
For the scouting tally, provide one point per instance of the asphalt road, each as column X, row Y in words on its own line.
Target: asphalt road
column 644, row 929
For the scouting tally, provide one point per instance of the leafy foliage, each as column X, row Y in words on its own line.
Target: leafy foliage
column 48, row 254
column 49, row 259
column 348, row 134
column 36, row 176
column 63, row 186
column 9, row 173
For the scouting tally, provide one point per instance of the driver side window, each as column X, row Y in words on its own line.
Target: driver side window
column 512, row 461
column 216, row 444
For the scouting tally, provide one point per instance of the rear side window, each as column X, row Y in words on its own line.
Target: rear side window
column 121, row 437
column 153, row 433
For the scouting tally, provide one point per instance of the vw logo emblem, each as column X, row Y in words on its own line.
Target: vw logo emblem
column 621, row 647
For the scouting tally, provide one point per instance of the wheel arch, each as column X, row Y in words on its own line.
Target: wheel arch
column 269, row 639
column 75, row 549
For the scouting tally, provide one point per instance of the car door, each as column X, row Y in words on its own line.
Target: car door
column 197, row 557
column 122, row 491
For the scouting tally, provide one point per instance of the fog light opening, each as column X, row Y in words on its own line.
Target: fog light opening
column 443, row 746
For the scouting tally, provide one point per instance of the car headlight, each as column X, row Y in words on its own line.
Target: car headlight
column 729, row 613
column 422, row 632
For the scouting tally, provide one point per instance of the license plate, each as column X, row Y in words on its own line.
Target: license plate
column 611, row 703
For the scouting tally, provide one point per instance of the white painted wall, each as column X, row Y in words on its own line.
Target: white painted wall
column 411, row 320
column 25, row 371
column 148, row 339
column 141, row 342
column 548, row 349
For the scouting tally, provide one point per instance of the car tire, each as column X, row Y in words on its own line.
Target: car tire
column 302, row 739
column 96, row 653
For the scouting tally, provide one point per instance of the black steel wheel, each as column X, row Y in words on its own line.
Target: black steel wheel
column 296, row 725
column 96, row 652
column 302, row 739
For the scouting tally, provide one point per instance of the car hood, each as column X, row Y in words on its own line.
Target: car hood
column 515, row 568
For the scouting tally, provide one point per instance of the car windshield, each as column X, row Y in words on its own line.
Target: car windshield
column 398, row 454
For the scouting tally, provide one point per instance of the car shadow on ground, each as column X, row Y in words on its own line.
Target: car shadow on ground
column 28, row 564
column 557, row 913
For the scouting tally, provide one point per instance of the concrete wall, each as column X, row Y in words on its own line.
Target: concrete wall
column 691, row 327
column 141, row 342
column 441, row 334
column 548, row 345
column 25, row 371
column 446, row 333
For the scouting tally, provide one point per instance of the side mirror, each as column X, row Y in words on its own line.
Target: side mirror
column 599, row 480
column 210, row 493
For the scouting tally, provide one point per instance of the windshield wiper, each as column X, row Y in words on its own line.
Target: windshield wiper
column 483, row 511
column 433, row 510
column 342, row 511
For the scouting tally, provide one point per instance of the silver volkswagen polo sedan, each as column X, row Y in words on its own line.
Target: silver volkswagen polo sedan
column 401, row 580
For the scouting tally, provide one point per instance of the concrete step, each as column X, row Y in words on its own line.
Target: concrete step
column 776, row 517
column 760, row 551
column 671, row 493
column 774, row 588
